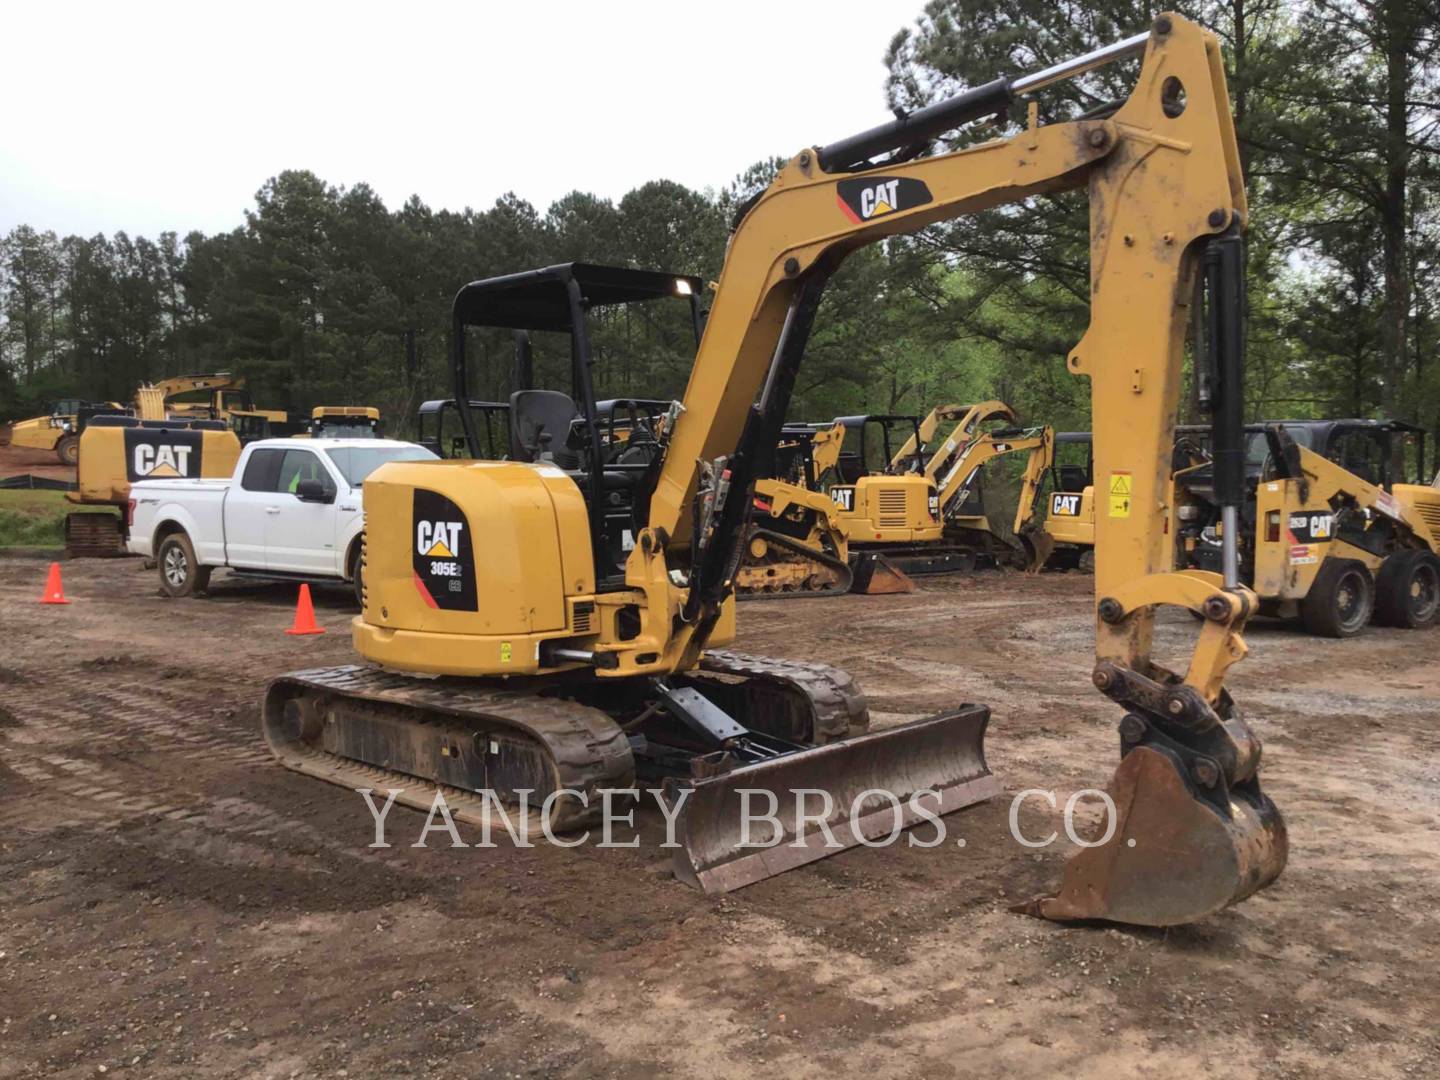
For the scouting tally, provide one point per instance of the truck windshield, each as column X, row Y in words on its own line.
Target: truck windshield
column 357, row 462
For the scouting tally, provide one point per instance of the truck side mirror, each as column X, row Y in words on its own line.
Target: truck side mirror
column 313, row 491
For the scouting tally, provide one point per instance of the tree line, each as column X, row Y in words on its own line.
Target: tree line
column 325, row 294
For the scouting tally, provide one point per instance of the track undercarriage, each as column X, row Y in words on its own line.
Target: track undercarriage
column 737, row 723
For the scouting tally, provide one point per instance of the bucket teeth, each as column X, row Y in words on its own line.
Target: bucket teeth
column 877, row 783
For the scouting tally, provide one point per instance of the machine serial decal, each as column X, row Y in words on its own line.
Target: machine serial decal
column 870, row 197
column 444, row 558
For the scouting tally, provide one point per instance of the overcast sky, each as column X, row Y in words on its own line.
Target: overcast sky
column 148, row 116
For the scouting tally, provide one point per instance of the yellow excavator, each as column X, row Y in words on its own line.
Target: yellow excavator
column 1070, row 501
column 800, row 536
column 158, row 436
column 980, row 434
column 537, row 641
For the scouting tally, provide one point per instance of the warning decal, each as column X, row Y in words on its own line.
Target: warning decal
column 1121, row 487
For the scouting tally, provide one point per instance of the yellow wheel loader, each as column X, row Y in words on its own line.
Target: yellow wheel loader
column 59, row 431
column 522, row 648
column 1327, row 532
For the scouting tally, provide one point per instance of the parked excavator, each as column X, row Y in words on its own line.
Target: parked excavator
column 156, row 436
column 980, row 434
column 553, row 660
column 806, row 540
column 1070, row 501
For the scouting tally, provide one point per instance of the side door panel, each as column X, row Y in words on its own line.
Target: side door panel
column 249, row 503
column 300, row 539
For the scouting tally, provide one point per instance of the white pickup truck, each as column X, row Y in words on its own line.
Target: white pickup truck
column 292, row 510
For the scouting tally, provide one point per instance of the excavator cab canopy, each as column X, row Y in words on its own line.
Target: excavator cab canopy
column 569, row 430
column 1074, row 466
column 872, row 443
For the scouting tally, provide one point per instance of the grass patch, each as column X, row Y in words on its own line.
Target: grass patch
column 33, row 518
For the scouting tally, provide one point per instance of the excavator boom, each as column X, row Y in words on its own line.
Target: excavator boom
column 1167, row 203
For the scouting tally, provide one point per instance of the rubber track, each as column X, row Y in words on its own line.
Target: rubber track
column 841, row 708
column 589, row 750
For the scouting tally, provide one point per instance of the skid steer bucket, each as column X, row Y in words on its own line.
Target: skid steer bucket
column 873, row 782
column 1173, row 857
column 875, row 575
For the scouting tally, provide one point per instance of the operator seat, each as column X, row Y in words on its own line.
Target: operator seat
column 540, row 426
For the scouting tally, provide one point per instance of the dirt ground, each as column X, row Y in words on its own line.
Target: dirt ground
column 19, row 460
column 176, row 905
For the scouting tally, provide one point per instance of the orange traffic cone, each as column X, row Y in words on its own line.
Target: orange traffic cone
column 305, row 615
column 54, row 590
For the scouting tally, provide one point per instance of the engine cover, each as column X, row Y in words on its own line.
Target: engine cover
column 468, row 564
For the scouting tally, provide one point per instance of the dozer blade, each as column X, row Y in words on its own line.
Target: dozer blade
column 1174, row 857
column 720, row 850
column 875, row 575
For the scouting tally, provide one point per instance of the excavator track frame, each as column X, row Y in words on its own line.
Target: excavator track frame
column 582, row 748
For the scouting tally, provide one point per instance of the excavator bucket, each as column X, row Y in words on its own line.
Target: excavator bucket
column 759, row 820
column 1037, row 546
column 875, row 575
column 1174, row 857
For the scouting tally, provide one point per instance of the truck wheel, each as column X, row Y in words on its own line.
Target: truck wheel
column 180, row 573
column 356, row 582
column 1407, row 590
column 68, row 449
column 1341, row 600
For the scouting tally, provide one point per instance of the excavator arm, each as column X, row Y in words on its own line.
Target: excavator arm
column 962, row 459
column 1193, row 832
column 152, row 400
column 1029, row 527
column 966, row 421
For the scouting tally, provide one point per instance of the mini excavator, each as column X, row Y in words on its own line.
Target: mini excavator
column 957, row 462
column 923, row 513
column 518, row 650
